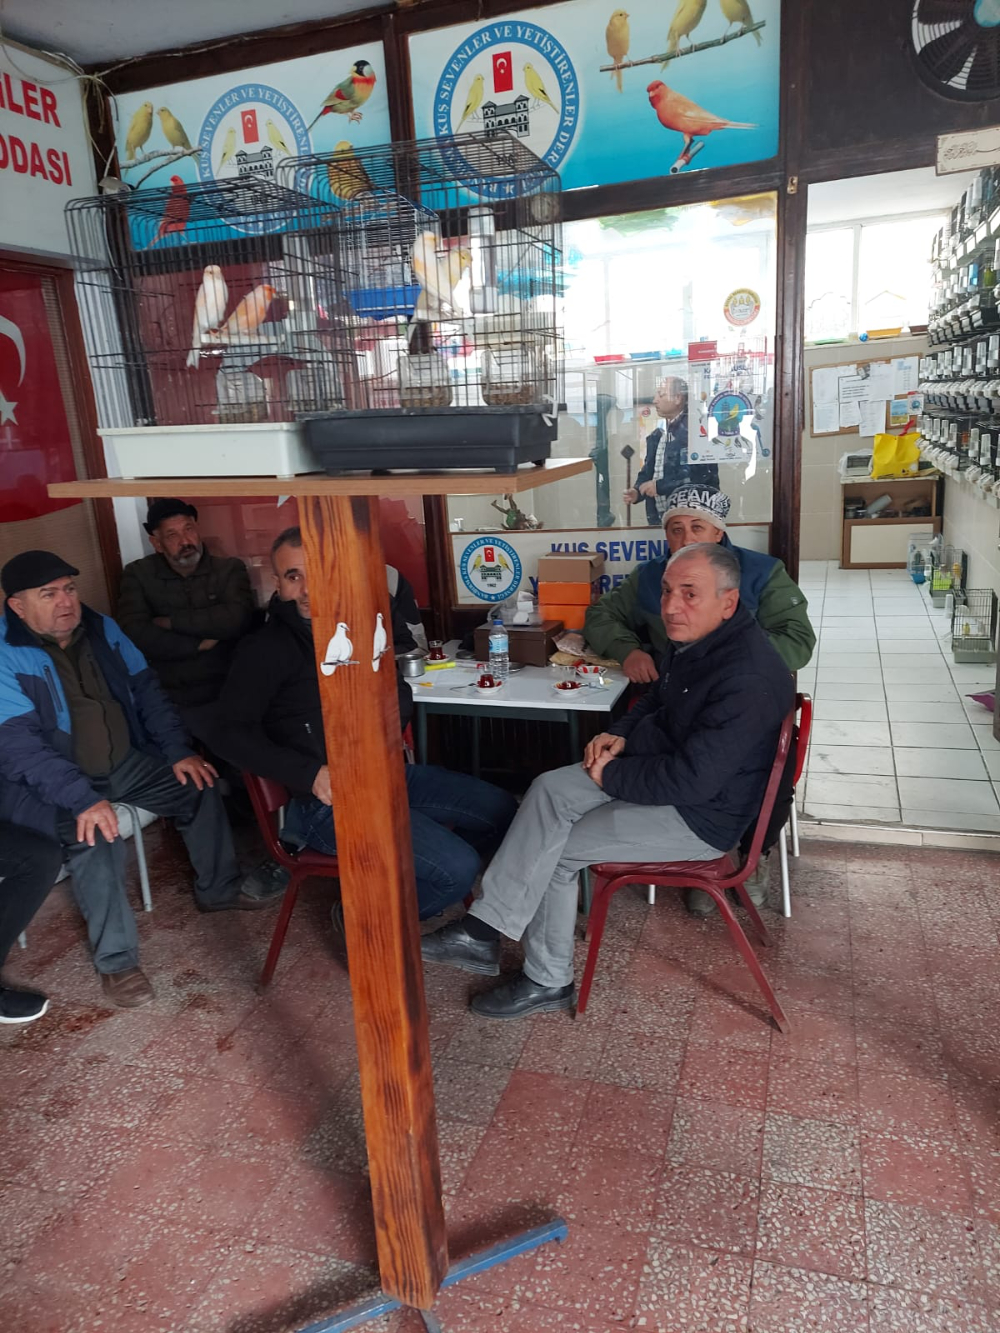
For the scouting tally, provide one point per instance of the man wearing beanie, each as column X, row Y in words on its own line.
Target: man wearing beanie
column 83, row 724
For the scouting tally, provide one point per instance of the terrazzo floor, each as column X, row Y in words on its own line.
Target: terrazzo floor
column 198, row 1166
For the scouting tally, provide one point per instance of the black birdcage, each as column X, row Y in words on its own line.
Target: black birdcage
column 448, row 271
column 206, row 315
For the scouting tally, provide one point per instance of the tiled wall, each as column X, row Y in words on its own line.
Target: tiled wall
column 973, row 525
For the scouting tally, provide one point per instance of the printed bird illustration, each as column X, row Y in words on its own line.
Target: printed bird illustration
column 675, row 112
column 738, row 11
column 248, row 315
column 478, row 560
column 338, row 651
column 689, row 14
column 616, row 37
column 228, row 148
column 274, row 134
column 474, row 100
column 209, row 310
column 348, row 178
column 350, row 95
column 175, row 212
column 173, row 130
column 734, row 412
column 437, row 274
column 503, row 562
column 140, row 127
column 380, row 642
column 534, row 85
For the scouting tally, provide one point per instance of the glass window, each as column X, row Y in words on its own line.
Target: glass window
column 894, row 273
column 829, row 285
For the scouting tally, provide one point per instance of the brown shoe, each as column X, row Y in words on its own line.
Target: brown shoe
column 129, row 989
column 241, row 902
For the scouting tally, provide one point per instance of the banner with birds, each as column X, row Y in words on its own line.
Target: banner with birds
column 607, row 95
column 245, row 126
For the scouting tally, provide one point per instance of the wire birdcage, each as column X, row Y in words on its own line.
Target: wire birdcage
column 207, row 307
column 974, row 626
column 448, row 264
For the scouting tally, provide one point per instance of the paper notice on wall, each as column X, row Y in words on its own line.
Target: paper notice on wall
column 850, row 414
column 881, row 381
column 902, row 409
column 905, row 374
column 872, row 418
column 825, row 381
column 826, row 418
column 853, row 389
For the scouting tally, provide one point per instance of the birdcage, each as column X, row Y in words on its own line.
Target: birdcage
column 206, row 316
column 948, row 572
column 449, row 271
column 973, row 626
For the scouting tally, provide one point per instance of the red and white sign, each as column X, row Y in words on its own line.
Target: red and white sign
column 503, row 72
column 251, row 134
column 45, row 155
column 703, row 351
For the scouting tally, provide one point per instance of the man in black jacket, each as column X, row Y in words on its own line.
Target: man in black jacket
column 666, row 466
column 271, row 724
column 679, row 778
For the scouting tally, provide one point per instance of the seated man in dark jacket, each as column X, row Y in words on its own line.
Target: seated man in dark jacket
column 185, row 610
column 83, row 724
column 271, row 724
column 680, row 777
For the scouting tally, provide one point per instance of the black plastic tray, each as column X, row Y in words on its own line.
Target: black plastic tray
column 429, row 438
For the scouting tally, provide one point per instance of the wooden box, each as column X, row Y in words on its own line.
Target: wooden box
column 532, row 645
column 570, row 566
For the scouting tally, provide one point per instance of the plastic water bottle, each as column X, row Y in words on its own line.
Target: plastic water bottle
column 499, row 650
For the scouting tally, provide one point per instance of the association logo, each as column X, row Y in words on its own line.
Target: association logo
column 514, row 78
column 490, row 569
column 741, row 307
column 729, row 409
column 246, row 136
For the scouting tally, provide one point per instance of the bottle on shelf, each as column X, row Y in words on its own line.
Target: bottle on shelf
column 499, row 649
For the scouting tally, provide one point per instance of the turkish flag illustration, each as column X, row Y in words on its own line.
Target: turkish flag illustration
column 503, row 72
column 251, row 134
column 489, row 555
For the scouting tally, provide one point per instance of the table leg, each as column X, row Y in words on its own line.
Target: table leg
column 573, row 726
column 421, row 720
column 476, row 768
column 350, row 608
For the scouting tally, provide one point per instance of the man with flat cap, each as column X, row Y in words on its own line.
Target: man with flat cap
column 185, row 610
column 84, row 723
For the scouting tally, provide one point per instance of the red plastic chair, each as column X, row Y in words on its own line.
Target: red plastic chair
column 804, row 708
column 714, row 877
column 267, row 798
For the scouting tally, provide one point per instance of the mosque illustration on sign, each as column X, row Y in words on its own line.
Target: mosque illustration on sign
column 509, row 116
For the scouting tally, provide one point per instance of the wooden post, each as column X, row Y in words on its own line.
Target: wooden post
column 347, row 587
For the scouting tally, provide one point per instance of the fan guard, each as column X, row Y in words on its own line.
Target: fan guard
column 957, row 47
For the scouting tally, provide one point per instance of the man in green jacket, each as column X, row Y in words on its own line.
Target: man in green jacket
column 626, row 624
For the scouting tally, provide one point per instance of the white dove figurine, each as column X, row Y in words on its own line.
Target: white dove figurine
column 209, row 309
column 338, row 651
column 380, row 641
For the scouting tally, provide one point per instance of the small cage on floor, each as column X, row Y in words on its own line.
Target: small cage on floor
column 448, row 264
column 974, row 626
column 207, row 307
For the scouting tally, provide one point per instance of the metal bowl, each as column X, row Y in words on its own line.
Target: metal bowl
column 412, row 664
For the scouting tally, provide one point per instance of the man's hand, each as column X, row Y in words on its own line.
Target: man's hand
column 648, row 488
column 100, row 816
column 640, row 668
column 604, row 742
column 321, row 787
column 205, row 644
column 162, row 621
column 596, row 770
column 201, row 773
column 630, row 496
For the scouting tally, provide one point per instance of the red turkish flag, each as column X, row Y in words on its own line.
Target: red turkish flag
column 251, row 134
column 503, row 72
column 488, row 554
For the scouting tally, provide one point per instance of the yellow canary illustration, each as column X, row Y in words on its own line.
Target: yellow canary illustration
column 473, row 101
column 139, row 129
column 228, row 148
column 536, row 88
column 173, row 130
column 437, row 274
column 274, row 134
column 616, row 36
column 738, row 11
column 689, row 14
column 348, row 178
column 478, row 560
column 503, row 561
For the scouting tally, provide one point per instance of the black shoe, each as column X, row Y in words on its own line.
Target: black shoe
column 521, row 996
column 267, row 880
column 21, row 1006
column 239, row 902
column 453, row 945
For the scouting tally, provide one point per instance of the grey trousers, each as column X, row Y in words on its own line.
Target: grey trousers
column 99, row 871
column 564, row 824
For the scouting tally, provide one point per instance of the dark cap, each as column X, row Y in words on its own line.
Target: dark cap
column 160, row 510
column 33, row 569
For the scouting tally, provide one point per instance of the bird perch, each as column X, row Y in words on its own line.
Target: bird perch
column 168, row 155
column 688, row 50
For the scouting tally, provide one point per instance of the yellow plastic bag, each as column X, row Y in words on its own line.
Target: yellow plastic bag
column 896, row 455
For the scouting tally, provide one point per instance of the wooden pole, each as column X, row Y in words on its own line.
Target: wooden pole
column 347, row 587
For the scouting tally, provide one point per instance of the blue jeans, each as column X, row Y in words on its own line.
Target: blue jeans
column 455, row 821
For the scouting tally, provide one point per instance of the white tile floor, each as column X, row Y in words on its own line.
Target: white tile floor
column 895, row 737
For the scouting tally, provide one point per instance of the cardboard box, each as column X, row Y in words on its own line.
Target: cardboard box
column 570, row 566
column 572, row 617
column 531, row 644
column 568, row 594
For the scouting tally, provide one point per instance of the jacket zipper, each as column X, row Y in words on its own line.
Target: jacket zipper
column 51, row 682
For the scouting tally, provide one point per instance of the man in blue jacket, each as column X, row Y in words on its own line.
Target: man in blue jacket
column 84, row 723
column 680, row 777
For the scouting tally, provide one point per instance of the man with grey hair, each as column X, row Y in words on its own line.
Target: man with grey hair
column 679, row 778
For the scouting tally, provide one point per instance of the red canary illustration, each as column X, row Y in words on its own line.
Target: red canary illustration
column 675, row 112
column 176, row 211
column 349, row 96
